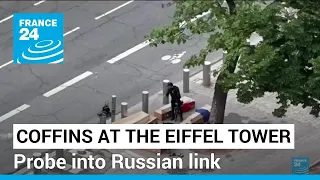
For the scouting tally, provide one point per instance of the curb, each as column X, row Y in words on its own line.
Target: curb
column 315, row 163
column 197, row 72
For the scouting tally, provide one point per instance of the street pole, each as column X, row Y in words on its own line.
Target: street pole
column 103, row 118
column 206, row 73
column 186, row 76
column 164, row 91
column 145, row 101
column 59, row 153
column 35, row 170
column 124, row 109
column 113, row 108
column 224, row 56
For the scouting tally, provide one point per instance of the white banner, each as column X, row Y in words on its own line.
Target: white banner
column 153, row 136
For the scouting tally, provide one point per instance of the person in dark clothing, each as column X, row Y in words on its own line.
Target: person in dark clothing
column 106, row 110
column 174, row 92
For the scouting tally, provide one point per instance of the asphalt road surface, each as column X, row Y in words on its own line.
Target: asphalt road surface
column 105, row 54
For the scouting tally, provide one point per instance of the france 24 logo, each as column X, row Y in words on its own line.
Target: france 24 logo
column 38, row 38
column 300, row 165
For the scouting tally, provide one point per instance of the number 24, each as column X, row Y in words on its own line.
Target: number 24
column 26, row 35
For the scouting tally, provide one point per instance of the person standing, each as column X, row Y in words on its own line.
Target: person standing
column 174, row 92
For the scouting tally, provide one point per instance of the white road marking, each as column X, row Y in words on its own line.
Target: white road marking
column 67, row 33
column 113, row 10
column 67, row 84
column 166, row 58
column 5, row 19
column 11, row 16
column 128, row 52
column 14, row 112
column 175, row 61
column 5, row 64
column 178, row 56
column 37, row 3
column 73, row 30
column 146, row 43
column 194, row 19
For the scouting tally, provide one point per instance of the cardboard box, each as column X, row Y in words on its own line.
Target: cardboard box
column 163, row 113
column 137, row 118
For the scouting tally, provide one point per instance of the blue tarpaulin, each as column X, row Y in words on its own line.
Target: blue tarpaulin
column 204, row 113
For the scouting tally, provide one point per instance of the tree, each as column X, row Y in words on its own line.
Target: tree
column 285, row 62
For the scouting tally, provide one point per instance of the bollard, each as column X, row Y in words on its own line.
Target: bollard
column 206, row 73
column 165, row 90
column 224, row 56
column 113, row 108
column 35, row 170
column 59, row 153
column 145, row 101
column 124, row 109
column 103, row 118
column 186, row 76
column 81, row 151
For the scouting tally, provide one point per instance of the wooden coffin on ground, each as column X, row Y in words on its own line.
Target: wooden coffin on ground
column 137, row 118
column 163, row 113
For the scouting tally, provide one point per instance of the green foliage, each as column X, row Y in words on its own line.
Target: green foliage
column 286, row 62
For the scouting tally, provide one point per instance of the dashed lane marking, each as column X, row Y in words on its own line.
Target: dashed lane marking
column 67, row 84
column 113, row 10
column 38, row 3
column 14, row 112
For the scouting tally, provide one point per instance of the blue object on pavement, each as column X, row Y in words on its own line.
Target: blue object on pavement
column 204, row 113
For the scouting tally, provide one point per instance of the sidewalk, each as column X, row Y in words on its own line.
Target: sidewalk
column 253, row 161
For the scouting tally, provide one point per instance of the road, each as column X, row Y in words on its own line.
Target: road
column 95, row 41
column 105, row 54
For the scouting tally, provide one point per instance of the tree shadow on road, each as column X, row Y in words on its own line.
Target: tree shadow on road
column 234, row 118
